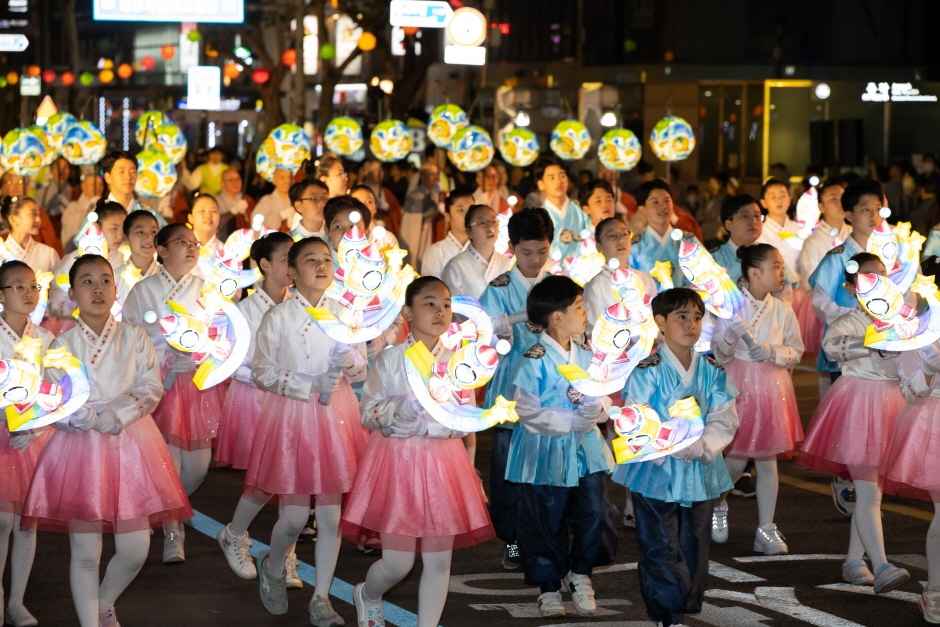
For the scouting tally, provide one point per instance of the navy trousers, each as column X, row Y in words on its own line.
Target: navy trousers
column 504, row 495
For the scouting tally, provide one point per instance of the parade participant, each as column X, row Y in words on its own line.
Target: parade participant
column 140, row 230
column 471, row 270
column 308, row 197
column 673, row 496
column 204, row 219
column 614, row 240
column 73, row 216
column 307, row 448
column 559, row 458
column 741, row 218
column 597, row 201
column 656, row 243
column 276, row 207
column 187, row 417
column 567, row 217
column 457, row 240
column 19, row 452
column 331, row 172
column 22, row 215
column 504, row 300
column 436, row 504
column 779, row 230
column 12, row 184
column 82, row 480
column 758, row 348
column 852, row 427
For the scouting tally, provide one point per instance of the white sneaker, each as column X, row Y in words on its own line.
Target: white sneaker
column 321, row 613
column 19, row 616
column 550, row 604
column 856, row 572
column 582, row 593
column 271, row 589
column 368, row 613
column 290, row 570
column 889, row 577
column 108, row 618
column 173, row 546
column 720, row 523
column 930, row 606
column 769, row 541
column 237, row 551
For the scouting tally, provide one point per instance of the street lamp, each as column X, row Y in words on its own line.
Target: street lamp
column 522, row 119
column 609, row 119
column 822, row 91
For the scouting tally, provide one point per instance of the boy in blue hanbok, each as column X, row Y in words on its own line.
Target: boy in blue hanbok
column 655, row 242
column 567, row 217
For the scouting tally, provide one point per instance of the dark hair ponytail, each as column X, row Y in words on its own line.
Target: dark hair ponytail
column 752, row 256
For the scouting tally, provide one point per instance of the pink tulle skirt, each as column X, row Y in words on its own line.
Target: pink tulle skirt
column 17, row 468
column 811, row 327
column 911, row 465
column 241, row 412
column 88, row 481
column 57, row 326
column 852, row 428
column 187, row 417
column 769, row 419
column 418, row 489
column 302, row 449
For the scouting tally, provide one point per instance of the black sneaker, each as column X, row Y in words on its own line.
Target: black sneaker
column 512, row 558
column 745, row 486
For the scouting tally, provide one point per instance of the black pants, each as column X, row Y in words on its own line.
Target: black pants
column 674, row 543
column 504, row 495
column 564, row 529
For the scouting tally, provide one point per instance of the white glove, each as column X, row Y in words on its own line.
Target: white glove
column 587, row 415
column 83, row 419
column 915, row 387
column 324, row 384
column 356, row 372
column 886, row 354
column 755, row 350
column 107, row 422
column 695, row 451
column 734, row 332
column 19, row 441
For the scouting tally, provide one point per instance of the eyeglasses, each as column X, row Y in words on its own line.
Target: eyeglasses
column 313, row 198
column 185, row 242
column 484, row 223
column 20, row 288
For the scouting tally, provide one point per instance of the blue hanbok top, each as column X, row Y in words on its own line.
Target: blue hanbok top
column 650, row 248
column 726, row 256
column 829, row 294
column 569, row 222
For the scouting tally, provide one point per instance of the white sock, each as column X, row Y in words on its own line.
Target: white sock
column 867, row 521
column 21, row 557
column 130, row 554
column 933, row 548
column 768, row 485
column 432, row 589
column 736, row 466
column 246, row 511
column 291, row 520
column 192, row 466
column 327, row 547
column 85, row 549
column 385, row 574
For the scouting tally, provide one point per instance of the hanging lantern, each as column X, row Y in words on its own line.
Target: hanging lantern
column 231, row 71
column 13, row 78
column 48, row 76
column 260, row 76
column 87, row 79
column 148, row 63
column 125, row 71
column 3, row 82
column 367, row 42
column 211, row 52
column 106, row 76
column 67, row 78
column 410, row 31
column 289, row 57
column 194, row 36
column 168, row 52
column 33, row 70
column 327, row 52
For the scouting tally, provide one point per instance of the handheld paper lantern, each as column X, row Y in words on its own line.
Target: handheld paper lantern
column 720, row 294
column 56, row 126
column 619, row 150
column 645, row 435
column 570, row 140
column 83, row 143
column 170, row 139
column 24, row 152
column 672, row 139
column 445, row 121
column 156, row 173
column 519, row 147
column 390, row 141
column 49, row 154
column 286, row 147
column 897, row 326
column 343, row 136
column 472, row 149
column 147, row 125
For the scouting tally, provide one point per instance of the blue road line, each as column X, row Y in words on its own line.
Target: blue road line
column 342, row 590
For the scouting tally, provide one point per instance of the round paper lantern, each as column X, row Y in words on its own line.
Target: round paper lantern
column 390, row 141
column 285, row 147
column 171, row 140
column 619, row 150
column 24, row 152
column 32, row 70
column 168, row 52
column 3, row 81
column 672, row 139
column 87, row 79
column 106, row 76
column 105, row 64
column 343, row 136
column 83, row 143
column 125, row 71
column 519, row 147
column 13, row 78
column 230, row 71
column 327, row 52
column 289, row 57
column 260, row 76
column 367, row 42
column 67, row 78
column 56, row 126
column 48, row 76
column 194, row 36
column 147, row 125
column 445, row 121
column 570, row 140
column 148, row 63
column 472, row 149
column 49, row 154
column 156, row 173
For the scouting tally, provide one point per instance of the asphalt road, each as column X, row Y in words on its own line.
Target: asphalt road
column 803, row 588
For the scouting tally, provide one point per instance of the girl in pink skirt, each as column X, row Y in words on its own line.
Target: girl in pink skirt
column 306, row 446
column 416, row 485
column 106, row 468
column 187, row 417
column 852, row 429
column 758, row 349
column 19, row 295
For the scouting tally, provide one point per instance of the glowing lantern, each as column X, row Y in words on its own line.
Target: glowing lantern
column 230, row 71
column 33, row 70
column 68, row 78
column 148, row 63
column 48, row 76
column 289, row 57
column 87, row 79
column 106, row 76
column 168, row 52
column 13, row 78
column 367, row 42
column 125, row 71
column 260, row 76
column 327, row 52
